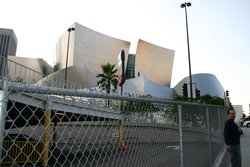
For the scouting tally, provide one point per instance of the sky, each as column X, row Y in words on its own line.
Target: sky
column 219, row 32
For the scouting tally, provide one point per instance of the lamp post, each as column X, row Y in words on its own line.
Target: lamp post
column 66, row 66
column 185, row 5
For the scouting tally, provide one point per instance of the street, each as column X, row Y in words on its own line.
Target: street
column 157, row 154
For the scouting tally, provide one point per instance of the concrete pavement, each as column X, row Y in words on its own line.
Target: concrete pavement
column 245, row 149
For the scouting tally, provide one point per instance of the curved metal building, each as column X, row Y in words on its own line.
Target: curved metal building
column 143, row 86
column 29, row 70
column 154, row 62
column 87, row 51
column 205, row 82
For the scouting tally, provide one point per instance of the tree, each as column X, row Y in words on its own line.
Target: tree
column 108, row 77
column 141, row 109
column 211, row 100
column 205, row 99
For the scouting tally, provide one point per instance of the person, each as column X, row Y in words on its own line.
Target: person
column 241, row 122
column 232, row 134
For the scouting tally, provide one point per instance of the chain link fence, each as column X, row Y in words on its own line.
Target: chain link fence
column 42, row 125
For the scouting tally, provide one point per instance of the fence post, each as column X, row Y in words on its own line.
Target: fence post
column 3, row 112
column 180, row 134
column 209, row 138
column 220, row 126
column 46, row 138
column 120, row 136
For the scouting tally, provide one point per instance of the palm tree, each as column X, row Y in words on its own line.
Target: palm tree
column 108, row 77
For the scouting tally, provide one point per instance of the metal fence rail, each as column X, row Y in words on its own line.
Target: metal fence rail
column 49, row 126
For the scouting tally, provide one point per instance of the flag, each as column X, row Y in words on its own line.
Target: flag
column 121, row 59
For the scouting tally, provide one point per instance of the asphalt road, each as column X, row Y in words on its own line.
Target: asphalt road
column 139, row 155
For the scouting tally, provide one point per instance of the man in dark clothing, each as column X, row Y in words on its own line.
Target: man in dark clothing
column 232, row 134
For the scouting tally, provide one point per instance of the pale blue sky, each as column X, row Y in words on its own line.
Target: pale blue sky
column 219, row 32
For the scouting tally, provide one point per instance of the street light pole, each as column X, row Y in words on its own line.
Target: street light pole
column 185, row 5
column 67, row 55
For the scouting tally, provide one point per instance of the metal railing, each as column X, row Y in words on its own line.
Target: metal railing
column 15, row 152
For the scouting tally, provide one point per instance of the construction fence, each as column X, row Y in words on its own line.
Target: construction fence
column 42, row 125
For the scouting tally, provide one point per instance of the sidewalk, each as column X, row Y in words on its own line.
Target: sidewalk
column 245, row 149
